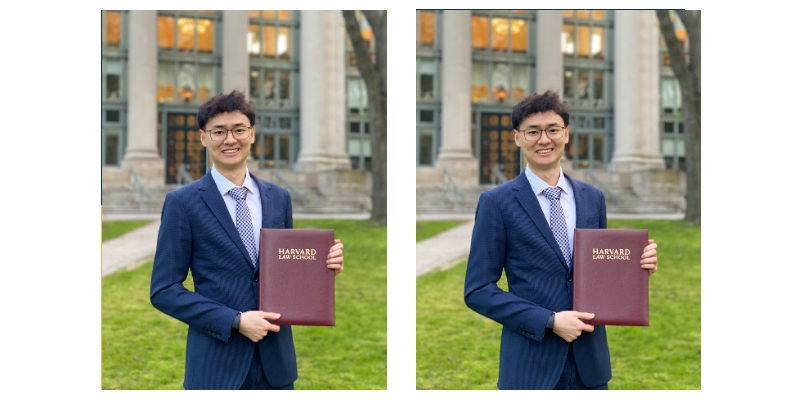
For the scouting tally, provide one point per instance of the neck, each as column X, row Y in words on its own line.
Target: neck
column 236, row 175
column 549, row 176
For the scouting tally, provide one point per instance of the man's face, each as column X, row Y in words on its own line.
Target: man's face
column 542, row 154
column 229, row 153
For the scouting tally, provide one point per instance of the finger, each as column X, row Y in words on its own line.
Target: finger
column 586, row 316
column 336, row 253
column 335, row 260
column 274, row 328
column 269, row 315
column 588, row 328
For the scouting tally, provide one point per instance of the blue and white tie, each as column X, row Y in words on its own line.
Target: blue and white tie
column 558, row 223
column 243, row 222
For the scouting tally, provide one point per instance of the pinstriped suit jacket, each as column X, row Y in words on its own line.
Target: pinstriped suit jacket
column 512, row 234
column 197, row 234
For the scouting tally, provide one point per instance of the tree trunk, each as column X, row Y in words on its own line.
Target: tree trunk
column 374, row 75
column 688, row 75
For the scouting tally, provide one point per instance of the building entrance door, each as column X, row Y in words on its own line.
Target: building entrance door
column 499, row 152
column 185, row 153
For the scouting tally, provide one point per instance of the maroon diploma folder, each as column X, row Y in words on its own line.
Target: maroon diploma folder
column 294, row 278
column 608, row 277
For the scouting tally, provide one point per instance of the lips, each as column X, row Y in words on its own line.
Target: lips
column 230, row 151
column 544, row 151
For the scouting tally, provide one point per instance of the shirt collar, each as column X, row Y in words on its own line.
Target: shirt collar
column 224, row 185
column 538, row 185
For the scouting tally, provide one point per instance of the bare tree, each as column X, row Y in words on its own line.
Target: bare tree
column 688, row 74
column 373, row 71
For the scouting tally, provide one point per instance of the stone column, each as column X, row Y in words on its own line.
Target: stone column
column 550, row 59
column 322, row 92
column 235, row 60
column 636, row 92
column 141, row 153
column 455, row 153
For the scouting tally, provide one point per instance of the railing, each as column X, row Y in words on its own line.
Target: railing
column 141, row 195
column 293, row 190
column 610, row 193
column 453, row 192
column 497, row 175
column 183, row 175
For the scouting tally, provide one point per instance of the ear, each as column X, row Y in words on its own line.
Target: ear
column 516, row 137
column 202, row 137
column 566, row 135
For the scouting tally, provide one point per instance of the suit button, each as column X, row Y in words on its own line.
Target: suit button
column 256, row 279
column 569, row 277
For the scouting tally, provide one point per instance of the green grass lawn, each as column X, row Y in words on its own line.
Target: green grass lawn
column 427, row 229
column 145, row 349
column 112, row 229
column 459, row 349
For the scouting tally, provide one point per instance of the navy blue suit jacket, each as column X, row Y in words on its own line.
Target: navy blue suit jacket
column 197, row 234
column 511, row 233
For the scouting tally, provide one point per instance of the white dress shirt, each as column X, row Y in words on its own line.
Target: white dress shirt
column 567, row 200
column 253, row 199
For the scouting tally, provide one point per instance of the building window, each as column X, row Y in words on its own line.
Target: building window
column 275, row 144
column 112, row 28
column 114, row 56
column 273, row 45
column 585, row 38
column 359, row 146
column 272, row 87
column 502, row 59
column 270, row 34
column 427, row 135
column 113, row 128
column 359, row 138
column 186, row 31
column 429, row 56
column 185, row 82
column 184, row 79
column 426, row 28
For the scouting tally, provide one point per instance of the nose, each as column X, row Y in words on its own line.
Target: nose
column 229, row 138
column 543, row 138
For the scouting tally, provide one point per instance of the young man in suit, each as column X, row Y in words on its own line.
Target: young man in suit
column 210, row 227
column 544, row 344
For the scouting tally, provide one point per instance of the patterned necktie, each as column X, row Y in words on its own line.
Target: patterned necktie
column 558, row 223
column 243, row 222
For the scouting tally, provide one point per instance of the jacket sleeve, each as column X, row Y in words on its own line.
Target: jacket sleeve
column 170, row 269
column 485, row 267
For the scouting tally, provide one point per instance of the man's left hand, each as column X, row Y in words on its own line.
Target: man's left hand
column 649, row 257
column 336, row 257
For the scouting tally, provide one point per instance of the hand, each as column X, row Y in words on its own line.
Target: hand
column 649, row 257
column 254, row 324
column 336, row 257
column 569, row 326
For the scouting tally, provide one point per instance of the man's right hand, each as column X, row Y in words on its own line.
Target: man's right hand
column 569, row 326
column 254, row 324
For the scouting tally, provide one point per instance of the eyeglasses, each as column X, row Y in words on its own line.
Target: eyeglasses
column 239, row 132
column 553, row 132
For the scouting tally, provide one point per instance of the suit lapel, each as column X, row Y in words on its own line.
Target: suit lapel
column 527, row 199
column 267, row 207
column 581, row 203
column 210, row 194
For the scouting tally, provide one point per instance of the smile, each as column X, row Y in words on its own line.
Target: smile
column 231, row 151
column 546, row 151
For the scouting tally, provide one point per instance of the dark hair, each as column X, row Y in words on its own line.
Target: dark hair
column 224, row 103
column 539, row 103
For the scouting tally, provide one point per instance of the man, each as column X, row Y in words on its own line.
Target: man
column 211, row 227
column 544, row 344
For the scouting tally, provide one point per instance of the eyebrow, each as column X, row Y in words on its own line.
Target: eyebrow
column 537, row 126
column 223, row 126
